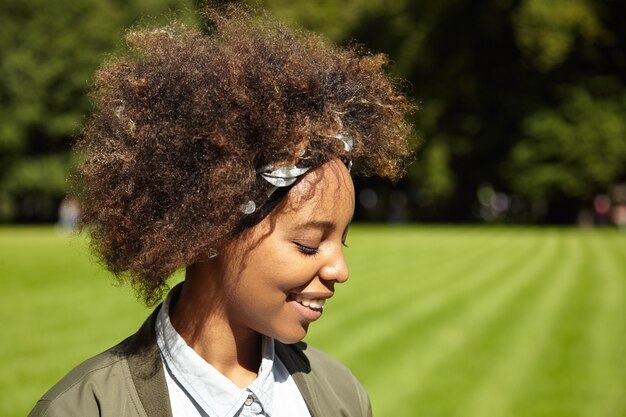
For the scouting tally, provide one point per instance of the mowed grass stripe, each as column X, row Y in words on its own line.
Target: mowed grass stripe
column 374, row 331
column 490, row 327
column 527, row 338
column 349, row 307
column 400, row 284
column 61, row 308
column 454, row 284
column 378, row 253
column 378, row 281
column 559, row 377
column 569, row 378
column 425, row 351
column 607, row 333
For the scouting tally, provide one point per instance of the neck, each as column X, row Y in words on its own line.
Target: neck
column 198, row 316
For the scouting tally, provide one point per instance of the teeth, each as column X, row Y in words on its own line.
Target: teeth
column 310, row 302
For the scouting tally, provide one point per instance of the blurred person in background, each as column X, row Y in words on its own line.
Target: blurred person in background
column 69, row 214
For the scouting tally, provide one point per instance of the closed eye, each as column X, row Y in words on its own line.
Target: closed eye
column 306, row 250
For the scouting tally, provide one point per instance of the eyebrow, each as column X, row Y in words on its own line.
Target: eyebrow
column 316, row 224
column 319, row 224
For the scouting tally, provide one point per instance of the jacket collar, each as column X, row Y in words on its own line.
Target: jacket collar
column 144, row 361
column 146, row 369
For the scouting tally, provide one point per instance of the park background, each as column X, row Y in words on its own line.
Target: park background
column 489, row 282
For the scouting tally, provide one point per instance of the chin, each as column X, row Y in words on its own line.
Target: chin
column 292, row 336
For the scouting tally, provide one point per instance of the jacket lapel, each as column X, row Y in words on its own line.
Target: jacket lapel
column 299, row 367
column 146, row 368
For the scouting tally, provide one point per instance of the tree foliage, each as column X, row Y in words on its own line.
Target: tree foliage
column 49, row 53
column 576, row 148
column 525, row 96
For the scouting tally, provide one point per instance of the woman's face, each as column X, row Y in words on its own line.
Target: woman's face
column 279, row 273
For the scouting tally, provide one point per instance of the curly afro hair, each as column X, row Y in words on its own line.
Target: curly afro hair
column 182, row 122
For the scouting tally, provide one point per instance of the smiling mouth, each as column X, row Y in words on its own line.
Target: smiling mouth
column 316, row 304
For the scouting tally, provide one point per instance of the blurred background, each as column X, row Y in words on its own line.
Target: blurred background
column 522, row 123
column 522, row 114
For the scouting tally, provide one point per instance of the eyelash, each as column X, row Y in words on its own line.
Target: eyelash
column 309, row 251
column 306, row 250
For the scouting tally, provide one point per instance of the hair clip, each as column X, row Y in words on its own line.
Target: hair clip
column 287, row 175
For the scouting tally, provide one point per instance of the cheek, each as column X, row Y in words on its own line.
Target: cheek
column 269, row 272
column 259, row 300
column 262, row 288
column 283, row 270
column 261, row 305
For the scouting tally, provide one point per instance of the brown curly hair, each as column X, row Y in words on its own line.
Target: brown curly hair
column 183, row 120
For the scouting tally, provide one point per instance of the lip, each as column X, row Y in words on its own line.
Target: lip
column 307, row 313
column 312, row 295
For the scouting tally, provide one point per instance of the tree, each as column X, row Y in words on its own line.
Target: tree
column 573, row 144
column 526, row 96
column 49, row 54
column 510, row 92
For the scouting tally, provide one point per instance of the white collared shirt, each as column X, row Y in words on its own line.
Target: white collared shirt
column 197, row 389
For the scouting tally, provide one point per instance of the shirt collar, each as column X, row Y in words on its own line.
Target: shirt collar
column 206, row 386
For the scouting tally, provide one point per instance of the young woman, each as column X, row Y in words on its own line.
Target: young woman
column 228, row 154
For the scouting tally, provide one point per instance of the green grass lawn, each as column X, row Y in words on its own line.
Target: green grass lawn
column 435, row 321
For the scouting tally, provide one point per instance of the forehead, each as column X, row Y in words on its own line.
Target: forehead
column 322, row 198
column 322, row 193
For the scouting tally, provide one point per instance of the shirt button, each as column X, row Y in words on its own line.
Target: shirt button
column 249, row 400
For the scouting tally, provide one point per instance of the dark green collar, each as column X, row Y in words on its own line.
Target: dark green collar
column 146, row 369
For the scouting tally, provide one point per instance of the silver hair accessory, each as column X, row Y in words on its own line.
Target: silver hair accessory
column 210, row 254
column 286, row 176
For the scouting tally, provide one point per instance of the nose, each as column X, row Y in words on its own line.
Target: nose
column 335, row 267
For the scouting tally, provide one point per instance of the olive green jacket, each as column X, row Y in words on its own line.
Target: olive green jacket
column 128, row 381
